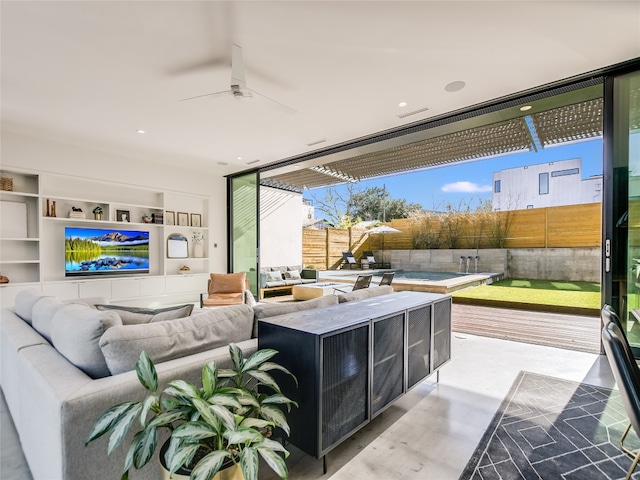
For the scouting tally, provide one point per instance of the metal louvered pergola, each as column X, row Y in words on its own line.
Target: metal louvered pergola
column 566, row 123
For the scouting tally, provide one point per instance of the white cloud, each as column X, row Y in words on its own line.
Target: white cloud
column 465, row 187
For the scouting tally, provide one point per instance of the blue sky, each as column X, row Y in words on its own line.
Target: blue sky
column 449, row 184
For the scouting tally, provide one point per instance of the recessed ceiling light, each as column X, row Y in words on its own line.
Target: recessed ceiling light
column 524, row 108
column 223, row 163
column 238, row 158
column 455, row 86
column 142, row 132
column 402, row 104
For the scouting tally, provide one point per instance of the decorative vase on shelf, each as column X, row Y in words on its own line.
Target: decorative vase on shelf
column 198, row 250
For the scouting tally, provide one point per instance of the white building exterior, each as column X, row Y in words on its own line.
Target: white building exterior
column 544, row 185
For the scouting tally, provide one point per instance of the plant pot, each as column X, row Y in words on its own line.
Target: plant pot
column 232, row 472
column 97, row 216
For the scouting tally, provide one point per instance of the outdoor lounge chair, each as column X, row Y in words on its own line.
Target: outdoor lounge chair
column 387, row 278
column 371, row 259
column 363, row 281
column 349, row 260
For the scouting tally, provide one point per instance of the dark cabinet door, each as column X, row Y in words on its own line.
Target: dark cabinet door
column 418, row 345
column 388, row 362
column 441, row 333
column 345, row 383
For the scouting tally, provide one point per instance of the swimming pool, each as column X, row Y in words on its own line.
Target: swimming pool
column 423, row 275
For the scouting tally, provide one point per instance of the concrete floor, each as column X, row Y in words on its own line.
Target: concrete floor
column 431, row 432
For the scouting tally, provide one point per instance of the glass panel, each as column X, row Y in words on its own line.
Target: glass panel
column 544, row 183
column 627, row 151
column 244, row 227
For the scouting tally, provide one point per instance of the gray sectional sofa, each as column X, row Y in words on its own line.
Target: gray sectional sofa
column 283, row 278
column 63, row 364
column 56, row 385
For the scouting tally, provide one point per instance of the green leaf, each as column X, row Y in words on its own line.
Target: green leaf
column 226, row 416
column 226, row 373
column 147, row 372
column 182, row 388
column 108, row 419
column 121, row 428
column 275, row 461
column 236, row 356
column 274, row 415
column 258, row 358
column 181, row 456
column 193, row 431
column 249, row 463
column 209, row 379
column 145, row 446
column 148, row 404
column 247, row 397
column 166, row 419
column 209, row 414
column 265, row 367
column 209, row 465
column 225, row 400
column 265, row 379
column 255, row 423
column 269, row 444
column 128, row 461
column 243, row 436
column 278, row 399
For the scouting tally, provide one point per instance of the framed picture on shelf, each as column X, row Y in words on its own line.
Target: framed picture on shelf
column 196, row 220
column 123, row 216
column 169, row 218
column 183, row 219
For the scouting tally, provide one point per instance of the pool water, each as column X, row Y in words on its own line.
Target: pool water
column 423, row 275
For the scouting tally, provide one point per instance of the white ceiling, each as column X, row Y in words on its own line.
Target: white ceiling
column 93, row 73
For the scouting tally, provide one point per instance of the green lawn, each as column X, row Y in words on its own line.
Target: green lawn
column 542, row 292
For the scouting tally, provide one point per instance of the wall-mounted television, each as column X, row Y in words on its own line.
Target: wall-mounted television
column 101, row 251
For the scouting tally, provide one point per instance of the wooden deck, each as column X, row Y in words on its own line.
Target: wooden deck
column 572, row 332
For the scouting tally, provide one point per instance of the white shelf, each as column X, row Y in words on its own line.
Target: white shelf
column 37, row 258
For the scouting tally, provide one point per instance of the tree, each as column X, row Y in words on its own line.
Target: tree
column 373, row 203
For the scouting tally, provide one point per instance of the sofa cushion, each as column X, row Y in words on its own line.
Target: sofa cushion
column 273, row 277
column 364, row 293
column 292, row 282
column 292, row 275
column 43, row 311
column 265, row 310
column 75, row 332
column 210, row 328
column 25, row 300
column 137, row 315
column 222, row 299
column 227, row 282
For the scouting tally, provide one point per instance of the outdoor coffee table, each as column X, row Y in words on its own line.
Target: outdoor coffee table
column 314, row 290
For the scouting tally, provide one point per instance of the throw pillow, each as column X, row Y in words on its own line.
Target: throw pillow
column 75, row 332
column 274, row 276
column 292, row 275
column 24, row 302
column 43, row 311
column 138, row 315
column 227, row 282
column 209, row 329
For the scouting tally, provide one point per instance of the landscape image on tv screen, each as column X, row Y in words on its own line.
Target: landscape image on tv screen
column 97, row 251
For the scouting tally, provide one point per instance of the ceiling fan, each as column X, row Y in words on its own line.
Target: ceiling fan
column 238, row 88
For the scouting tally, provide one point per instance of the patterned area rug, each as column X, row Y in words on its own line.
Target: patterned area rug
column 553, row 429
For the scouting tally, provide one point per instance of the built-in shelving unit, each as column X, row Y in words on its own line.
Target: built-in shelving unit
column 34, row 214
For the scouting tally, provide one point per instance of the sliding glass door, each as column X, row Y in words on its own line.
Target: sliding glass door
column 622, row 248
column 243, row 201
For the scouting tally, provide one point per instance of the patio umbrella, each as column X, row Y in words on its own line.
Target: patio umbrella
column 383, row 230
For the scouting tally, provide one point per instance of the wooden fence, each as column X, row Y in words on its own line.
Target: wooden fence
column 553, row 227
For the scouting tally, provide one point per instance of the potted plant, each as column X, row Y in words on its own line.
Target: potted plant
column 225, row 423
column 97, row 213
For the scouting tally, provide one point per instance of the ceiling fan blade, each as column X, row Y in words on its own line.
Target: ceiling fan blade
column 237, row 68
column 206, row 95
column 284, row 107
